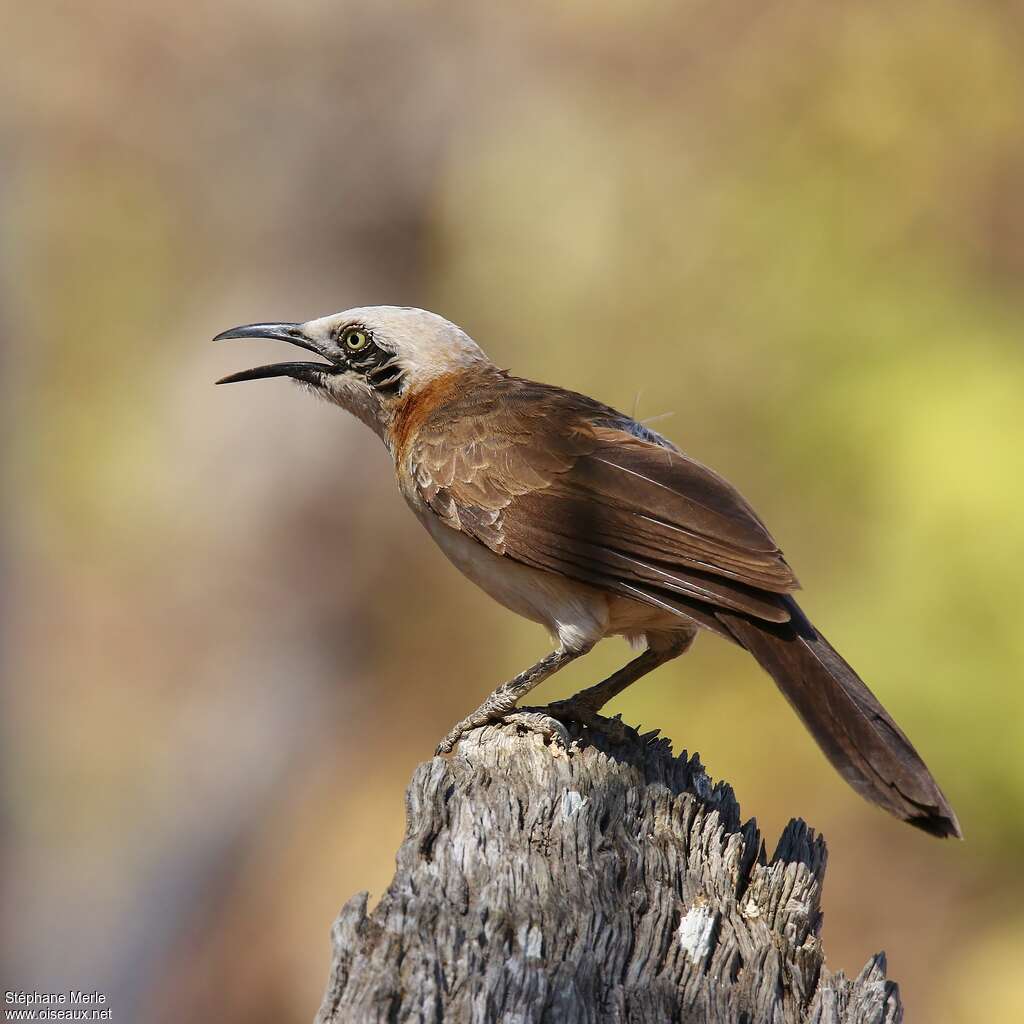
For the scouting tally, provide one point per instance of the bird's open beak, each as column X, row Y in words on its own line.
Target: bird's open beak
column 310, row 373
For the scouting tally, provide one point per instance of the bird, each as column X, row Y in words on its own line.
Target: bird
column 584, row 520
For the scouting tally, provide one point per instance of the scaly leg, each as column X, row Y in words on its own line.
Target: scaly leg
column 505, row 697
column 585, row 706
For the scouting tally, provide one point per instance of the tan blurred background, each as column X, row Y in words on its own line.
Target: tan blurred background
column 798, row 227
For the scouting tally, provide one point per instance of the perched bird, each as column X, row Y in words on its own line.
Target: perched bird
column 584, row 520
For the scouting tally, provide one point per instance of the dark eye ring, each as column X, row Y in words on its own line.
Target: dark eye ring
column 355, row 339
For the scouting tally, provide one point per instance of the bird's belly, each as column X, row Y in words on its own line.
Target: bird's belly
column 574, row 612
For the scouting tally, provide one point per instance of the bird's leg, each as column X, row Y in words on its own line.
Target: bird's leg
column 505, row 697
column 586, row 704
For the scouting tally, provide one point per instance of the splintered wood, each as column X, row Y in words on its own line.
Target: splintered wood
column 607, row 882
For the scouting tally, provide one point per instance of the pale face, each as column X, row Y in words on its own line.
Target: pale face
column 374, row 354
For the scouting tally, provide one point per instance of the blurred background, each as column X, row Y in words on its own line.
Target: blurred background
column 797, row 228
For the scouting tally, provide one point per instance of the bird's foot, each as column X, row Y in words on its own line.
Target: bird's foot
column 537, row 720
column 529, row 719
column 573, row 710
column 456, row 734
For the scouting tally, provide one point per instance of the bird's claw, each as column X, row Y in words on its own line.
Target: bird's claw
column 572, row 710
column 539, row 722
column 481, row 716
column 447, row 744
column 532, row 720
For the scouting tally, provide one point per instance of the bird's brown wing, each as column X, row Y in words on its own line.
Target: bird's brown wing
column 559, row 482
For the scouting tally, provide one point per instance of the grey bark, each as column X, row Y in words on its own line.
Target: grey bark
column 606, row 882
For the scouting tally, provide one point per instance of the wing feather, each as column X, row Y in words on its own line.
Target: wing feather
column 557, row 481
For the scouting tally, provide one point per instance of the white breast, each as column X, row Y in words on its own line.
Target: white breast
column 574, row 612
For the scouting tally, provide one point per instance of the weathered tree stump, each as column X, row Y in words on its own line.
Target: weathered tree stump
column 607, row 882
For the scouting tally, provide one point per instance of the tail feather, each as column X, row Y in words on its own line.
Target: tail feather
column 852, row 728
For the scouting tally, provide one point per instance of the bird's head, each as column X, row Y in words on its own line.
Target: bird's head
column 372, row 356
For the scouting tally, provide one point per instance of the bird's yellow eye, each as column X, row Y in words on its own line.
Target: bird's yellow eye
column 355, row 340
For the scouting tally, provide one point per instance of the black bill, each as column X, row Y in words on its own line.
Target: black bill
column 310, row 373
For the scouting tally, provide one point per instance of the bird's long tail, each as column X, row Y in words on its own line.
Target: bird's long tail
column 852, row 728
